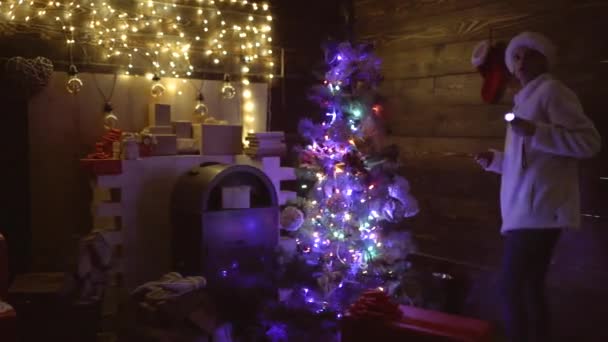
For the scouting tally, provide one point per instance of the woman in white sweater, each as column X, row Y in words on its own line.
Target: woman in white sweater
column 539, row 193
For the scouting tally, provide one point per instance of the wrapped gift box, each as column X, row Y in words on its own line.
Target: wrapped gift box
column 159, row 114
column 186, row 146
column 102, row 166
column 417, row 325
column 218, row 139
column 166, row 145
column 380, row 323
column 160, row 129
column 183, row 129
column 236, row 197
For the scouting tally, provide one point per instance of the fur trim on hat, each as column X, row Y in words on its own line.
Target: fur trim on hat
column 531, row 40
column 480, row 52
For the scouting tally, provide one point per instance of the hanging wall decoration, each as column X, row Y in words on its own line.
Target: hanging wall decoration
column 489, row 60
column 228, row 91
column 158, row 89
column 29, row 75
column 110, row 120
column 74, row 83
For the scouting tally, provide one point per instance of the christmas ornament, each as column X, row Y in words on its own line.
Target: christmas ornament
column 200, row 110
column 291, row 219
column 110, row 120
column 74, row 83
column 399, row 190
column 158, row 89
column 228, row 90
column 336, row 203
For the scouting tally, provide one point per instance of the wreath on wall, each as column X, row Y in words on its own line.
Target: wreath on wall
column 28, row 75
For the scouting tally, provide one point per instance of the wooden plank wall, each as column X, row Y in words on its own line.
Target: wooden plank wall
column 438, row 119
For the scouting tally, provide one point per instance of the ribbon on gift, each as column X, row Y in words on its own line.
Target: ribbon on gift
column 376, row 305
column 104, row 148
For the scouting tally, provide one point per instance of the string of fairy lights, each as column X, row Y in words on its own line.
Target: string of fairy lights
column 162, row 38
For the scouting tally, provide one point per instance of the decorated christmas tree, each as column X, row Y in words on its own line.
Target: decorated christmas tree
column 352, row 190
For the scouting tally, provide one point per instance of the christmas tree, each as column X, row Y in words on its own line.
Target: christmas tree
column 352, row 187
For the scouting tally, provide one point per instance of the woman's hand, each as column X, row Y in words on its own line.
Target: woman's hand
column 484, row 159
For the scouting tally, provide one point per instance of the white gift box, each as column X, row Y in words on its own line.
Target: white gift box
column 159, row 114
column 236, row 197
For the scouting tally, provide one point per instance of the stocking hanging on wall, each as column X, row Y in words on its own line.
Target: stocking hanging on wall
column 490, row 62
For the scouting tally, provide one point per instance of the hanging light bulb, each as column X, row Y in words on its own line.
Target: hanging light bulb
column 110, row 120
column 157, row 88
column 74, row 83
column 200, row 110
column 228, row 90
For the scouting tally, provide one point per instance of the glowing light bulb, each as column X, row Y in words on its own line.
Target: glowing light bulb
column 200, row 110
column 509, row 117
column 228, row 91
column 110, row 120
column 158, row 89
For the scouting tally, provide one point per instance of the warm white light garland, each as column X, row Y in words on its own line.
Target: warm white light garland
column 158, row 36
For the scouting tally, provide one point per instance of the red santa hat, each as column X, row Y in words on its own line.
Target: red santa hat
column 531, row 40
column 490, row 62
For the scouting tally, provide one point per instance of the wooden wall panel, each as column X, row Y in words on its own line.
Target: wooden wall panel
column 428, row 61
column 471, row 23
column 452, row 89
column 441, row 146
column 444, row 120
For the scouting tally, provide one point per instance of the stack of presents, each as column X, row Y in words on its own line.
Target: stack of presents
column 262, row 144
column 163, row 137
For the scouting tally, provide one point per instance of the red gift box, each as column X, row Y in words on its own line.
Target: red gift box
column 8, row 323
column 102, row 166
column 374, row 318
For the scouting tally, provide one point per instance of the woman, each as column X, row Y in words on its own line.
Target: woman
column 539, row 192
